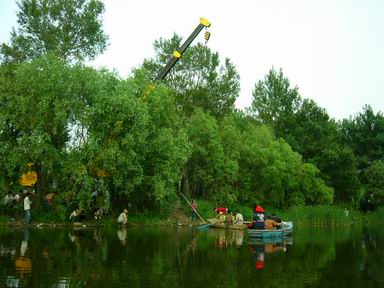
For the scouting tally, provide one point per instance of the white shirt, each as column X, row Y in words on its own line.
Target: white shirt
column 27, row 203
column 239, row 219
column 122, row 218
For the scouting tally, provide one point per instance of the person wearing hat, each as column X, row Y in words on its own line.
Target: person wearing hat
column 259, row 217
column 123, row 217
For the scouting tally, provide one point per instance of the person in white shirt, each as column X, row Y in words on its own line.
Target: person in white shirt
column 27, row 208
column 123, row 217
column 239, row 220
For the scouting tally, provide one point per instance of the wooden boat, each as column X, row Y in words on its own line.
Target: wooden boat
column 286, row 229
column 215, row 223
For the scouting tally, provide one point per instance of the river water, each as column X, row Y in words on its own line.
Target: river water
column 186, row 257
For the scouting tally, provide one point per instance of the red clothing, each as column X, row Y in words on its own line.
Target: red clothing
column 258, row 208
column 221, row 209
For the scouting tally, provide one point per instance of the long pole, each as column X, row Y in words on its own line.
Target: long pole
column 192, row 207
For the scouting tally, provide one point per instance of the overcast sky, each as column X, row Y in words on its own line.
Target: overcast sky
column 333, row 50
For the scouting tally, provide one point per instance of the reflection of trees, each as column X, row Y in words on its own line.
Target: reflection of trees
column 157, row 257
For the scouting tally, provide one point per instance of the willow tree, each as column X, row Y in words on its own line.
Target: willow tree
column 69, row 29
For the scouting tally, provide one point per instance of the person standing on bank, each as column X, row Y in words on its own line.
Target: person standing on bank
column 27, row 208
column 193, row 210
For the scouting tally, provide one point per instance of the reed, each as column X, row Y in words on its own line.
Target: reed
column 322, row 216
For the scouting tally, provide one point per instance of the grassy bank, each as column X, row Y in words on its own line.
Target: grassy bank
column 301, row 216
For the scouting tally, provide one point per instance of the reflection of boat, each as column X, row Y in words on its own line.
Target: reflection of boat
column 287, row 240
column 286, row 229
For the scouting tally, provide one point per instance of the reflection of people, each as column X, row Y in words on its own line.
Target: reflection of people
column 27, row 208
column 239, row 236
column 260, row 255
column 24, row 243
column 122, row 235
column 123, row 217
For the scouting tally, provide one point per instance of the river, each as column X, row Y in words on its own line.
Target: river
column 186, row 257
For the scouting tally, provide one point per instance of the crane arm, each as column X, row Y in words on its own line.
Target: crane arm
column 178, row 53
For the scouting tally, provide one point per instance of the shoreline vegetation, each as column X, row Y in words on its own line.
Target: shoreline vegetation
column 317, row 216
column 85, row 139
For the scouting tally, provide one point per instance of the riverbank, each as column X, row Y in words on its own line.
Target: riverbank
column 179, row 216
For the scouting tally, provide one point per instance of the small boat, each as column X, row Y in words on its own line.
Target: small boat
column 286, row 229
column 215, row 223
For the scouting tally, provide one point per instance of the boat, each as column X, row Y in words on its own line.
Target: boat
column 215, row 223
column 286, row 229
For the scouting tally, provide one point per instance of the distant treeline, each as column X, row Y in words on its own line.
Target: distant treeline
column 89, row 130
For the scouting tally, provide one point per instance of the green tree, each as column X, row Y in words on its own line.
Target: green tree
column 373, row 197
column 208, row 167
column 365, row 135
column 198, row 78
column 275, row 102
column 309, row 130
column 70, row 29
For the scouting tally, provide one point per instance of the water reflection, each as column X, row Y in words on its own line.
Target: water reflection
column 260, row 247
column 122, row 235
column 226, row 238
column 162, row 257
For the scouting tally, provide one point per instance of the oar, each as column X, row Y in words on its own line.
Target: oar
column 192, row 207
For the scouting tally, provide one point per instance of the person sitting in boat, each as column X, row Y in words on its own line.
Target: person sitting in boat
column 271, row 224
column 276, row 218
column 239, row 220
column 220, row 209
column 259, row 218
column 222, row 217
column 229, row 218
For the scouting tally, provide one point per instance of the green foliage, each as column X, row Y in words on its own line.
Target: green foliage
column 309, row 131
column 365, row 135
column 374, row 187
column 200, row 81
column 71, row 30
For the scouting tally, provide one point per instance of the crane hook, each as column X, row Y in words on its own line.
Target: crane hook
column 207, row 35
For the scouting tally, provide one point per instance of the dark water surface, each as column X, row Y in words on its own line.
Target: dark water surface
column 185, row 257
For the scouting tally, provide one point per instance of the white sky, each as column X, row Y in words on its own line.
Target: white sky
column 333, row 50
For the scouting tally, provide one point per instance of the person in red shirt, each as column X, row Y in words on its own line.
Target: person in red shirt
column 221, row 209
column 193, row 210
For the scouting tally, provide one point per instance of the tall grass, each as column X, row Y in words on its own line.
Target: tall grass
column 322, row 216
column 376, row 216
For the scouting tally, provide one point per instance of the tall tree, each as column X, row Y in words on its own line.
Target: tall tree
column 365, row 135
column 309, row 130
column 70, row 29
column 198, row 78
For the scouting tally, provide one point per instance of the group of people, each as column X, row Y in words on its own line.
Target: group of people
column 11, row 203
column 225, row 216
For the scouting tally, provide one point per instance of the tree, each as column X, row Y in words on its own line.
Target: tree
column 275, row 102
column 365, row 135
column 71, row 30
column 198, row 78
column 373, row 197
